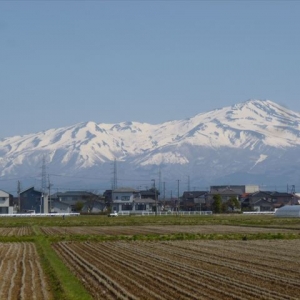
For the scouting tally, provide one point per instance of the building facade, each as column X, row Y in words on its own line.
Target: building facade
column 130, row 200
column 6, row 203
column 33, row 201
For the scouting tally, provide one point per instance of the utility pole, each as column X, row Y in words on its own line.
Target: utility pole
column 178, row 193
column 49, row 187
column 44, row 185
column 19, row 195
column 155, row 196
column 293, row 191
column 115, row 176
column 44, row 175
column 159, row 180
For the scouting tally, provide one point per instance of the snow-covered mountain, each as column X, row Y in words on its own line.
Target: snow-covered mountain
column 252, row 142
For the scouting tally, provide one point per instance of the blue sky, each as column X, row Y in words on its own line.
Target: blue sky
column 65, row 62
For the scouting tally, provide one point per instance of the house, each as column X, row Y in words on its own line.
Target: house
column 234, row 189
column 130, row 200
column 262, row 205
column 194, row 201
column 228, row 192
column 34, row 201
column 72, row 198
column 60, row 207
column 94, row 206
column 268, row 200
column 108, row 197
column 6, row 203
column 149, row 194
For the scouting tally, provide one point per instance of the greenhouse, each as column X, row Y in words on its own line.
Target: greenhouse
column 288, row 211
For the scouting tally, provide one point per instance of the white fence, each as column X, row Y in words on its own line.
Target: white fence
column 40, row 215
column 163, row 213
column 259, row 212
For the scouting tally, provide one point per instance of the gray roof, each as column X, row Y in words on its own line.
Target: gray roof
column 137, row 201
column 125, row 190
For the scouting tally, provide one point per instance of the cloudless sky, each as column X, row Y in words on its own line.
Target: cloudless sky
column 65, row 62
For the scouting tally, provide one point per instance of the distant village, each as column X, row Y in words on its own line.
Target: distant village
column 219, row 199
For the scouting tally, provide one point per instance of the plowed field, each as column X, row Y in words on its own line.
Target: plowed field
column 263, row 269
column 21, row 273
column 15, row 231
column 166, row 229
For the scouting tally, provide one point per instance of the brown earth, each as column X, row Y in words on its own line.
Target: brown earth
column 21, row 273
column 265, row 269
column 15, row 231
column 165, row 229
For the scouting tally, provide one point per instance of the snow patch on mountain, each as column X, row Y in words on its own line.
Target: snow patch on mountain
column 165, row 158
column 261, row 158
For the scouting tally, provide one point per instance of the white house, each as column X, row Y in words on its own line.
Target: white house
column 6, row 203
column 130, row 200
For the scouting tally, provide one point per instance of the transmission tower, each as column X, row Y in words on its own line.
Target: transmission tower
column 293, row 189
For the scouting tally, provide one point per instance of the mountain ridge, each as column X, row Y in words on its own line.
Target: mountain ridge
column 257, row 131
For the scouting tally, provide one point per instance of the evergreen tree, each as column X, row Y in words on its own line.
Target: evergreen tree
column 217, row 204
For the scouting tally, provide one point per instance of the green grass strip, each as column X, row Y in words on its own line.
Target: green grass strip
column 64, row 284
column 239, row 220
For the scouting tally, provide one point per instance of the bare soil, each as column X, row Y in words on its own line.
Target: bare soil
column 264, row 269
column 21, row 273
column 160, row 229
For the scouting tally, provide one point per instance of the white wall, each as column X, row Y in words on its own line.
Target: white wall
column 45, row 204
column 4, row 201
column 251, row 188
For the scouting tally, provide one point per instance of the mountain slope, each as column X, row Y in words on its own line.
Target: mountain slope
column 247, row 138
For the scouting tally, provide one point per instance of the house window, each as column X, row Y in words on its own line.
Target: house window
column 3, row 210
column 140, row 207
column 125, row 198
column 126, row 207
